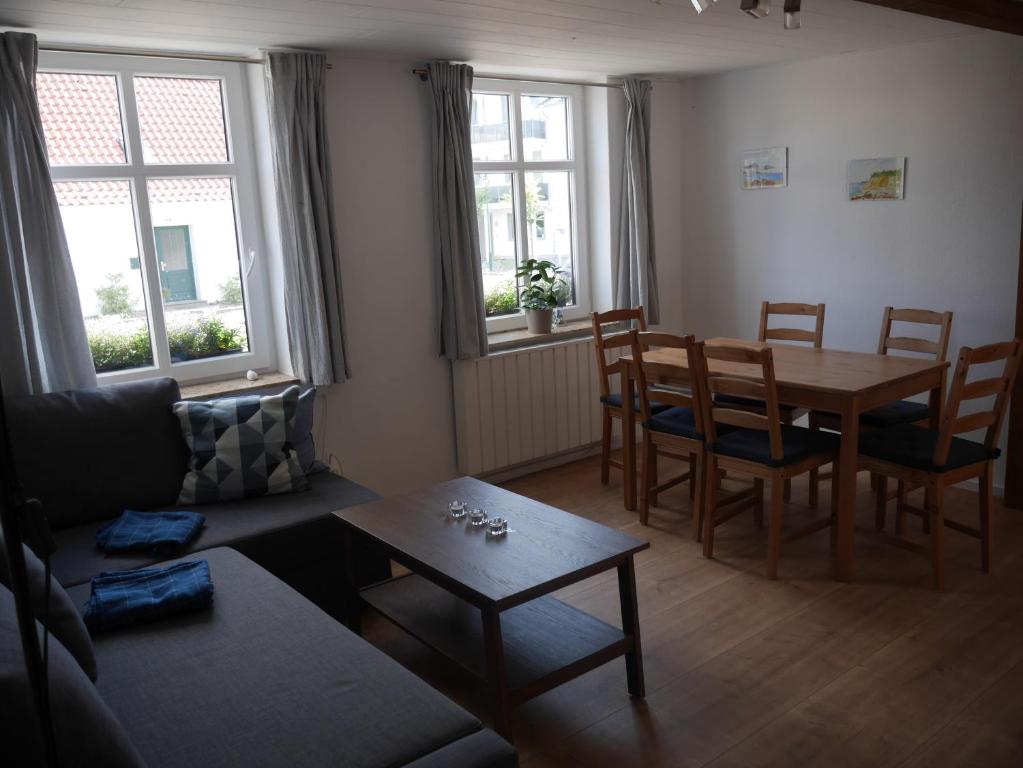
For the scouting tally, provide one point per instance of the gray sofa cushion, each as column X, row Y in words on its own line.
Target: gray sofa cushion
column 86, row 732
column 92, row 453
column 484, row 749
column 267, row 679
column 230, row 523
column 62, row 618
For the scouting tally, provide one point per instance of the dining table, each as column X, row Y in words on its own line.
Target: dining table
column 836, row 381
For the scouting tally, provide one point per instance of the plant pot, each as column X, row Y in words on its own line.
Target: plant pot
column 539, row 320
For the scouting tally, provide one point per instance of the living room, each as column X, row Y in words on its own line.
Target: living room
column 325, row 212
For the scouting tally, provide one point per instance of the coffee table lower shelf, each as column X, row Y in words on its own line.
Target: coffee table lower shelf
column 546, row 642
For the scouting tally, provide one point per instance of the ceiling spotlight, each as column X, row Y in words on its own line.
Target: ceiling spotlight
column 792, row 8
column 758, row 9
column 702, row 5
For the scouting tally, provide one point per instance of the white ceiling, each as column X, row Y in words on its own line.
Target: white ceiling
column 579, row 38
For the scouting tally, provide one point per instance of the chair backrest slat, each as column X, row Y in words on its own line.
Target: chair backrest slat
column 607, row 335
column 983, row 388
column 998, row 386
column 719, row 369
column 938, row 349
column 792, row 309
column 667, row 383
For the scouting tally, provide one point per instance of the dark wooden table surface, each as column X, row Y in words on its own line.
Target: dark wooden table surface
column 484, row 601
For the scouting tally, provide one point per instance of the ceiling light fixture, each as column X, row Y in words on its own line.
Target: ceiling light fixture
column 758, row 9
column 792, row 8
column 702, row 5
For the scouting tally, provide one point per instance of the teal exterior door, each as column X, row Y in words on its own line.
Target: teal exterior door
column 174, row 253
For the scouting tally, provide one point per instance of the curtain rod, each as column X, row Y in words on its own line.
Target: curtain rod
column 153, row 53
column 423, row 75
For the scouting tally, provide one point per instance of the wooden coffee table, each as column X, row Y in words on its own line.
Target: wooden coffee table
column 485, row 602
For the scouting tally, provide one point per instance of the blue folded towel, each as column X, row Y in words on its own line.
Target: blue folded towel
column 120, row 598
column 149, row 530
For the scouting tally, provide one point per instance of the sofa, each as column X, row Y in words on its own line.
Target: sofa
column 267, row 676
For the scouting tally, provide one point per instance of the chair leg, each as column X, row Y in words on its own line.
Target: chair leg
column 935, row 508
column 774, row 531
column 710, row 504
column 927, row 505
column 814, row 480
column 605, row 446
column 880, row 501
column 900, row 508
column 654, row 496
column 698, row 483
column 758, row 494
column 694, row 463
column 835, row 485
column 646, row 481
column 986, row 481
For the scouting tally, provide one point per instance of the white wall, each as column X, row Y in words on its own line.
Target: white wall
column 954, row 108
column 392, row 424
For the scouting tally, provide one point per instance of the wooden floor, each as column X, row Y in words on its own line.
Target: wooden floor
column 804, row 671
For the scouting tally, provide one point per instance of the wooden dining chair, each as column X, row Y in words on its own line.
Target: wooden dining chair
column 900, row 411
column 766, row 333
column 610, row 333
column 750, row 443
column 936, row 458
column 675, row 431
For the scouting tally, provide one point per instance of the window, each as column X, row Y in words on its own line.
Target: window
column 152, row 168
column 530, row 191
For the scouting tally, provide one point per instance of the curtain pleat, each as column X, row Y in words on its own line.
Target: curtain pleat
column 634, row 271
column 313, row 300
column 463, row 328
column 43, row 343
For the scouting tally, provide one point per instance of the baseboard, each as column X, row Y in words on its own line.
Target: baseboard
column 547, row 462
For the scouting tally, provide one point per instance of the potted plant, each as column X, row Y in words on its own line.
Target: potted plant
column 542, row 292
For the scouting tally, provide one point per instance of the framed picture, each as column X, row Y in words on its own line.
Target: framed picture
column 765, row 168
column 877, row 178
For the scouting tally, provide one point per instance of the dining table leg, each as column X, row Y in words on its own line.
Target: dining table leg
column 628, row 438
column 846, row 487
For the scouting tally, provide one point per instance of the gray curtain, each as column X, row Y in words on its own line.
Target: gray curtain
column 463, row 327
column 634, row 270
column 313, row 303
column 43, row 346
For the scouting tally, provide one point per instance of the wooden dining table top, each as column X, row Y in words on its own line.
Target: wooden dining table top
column 832, row 371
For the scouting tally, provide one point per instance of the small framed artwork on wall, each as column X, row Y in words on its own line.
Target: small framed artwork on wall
column 765, row 168
column 877, row 178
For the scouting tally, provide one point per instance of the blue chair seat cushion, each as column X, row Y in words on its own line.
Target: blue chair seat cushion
column 675, row 421
column 913, row 446
column 750, row 402
column 894, row 414
column 798, row 443
column 615, row 401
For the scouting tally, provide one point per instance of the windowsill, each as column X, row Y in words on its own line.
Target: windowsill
column 503, row 341
column 235, row 385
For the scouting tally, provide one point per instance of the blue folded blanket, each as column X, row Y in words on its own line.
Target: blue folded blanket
column 133, row 531
column 120, row 598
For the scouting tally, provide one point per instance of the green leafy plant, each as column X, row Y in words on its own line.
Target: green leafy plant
column 231, row 291
column 117, row 350
column 114, row 297
column 502, row 299
column 206, row 337
column 543, row 285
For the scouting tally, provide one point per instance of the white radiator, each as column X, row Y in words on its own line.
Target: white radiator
column 524, row 406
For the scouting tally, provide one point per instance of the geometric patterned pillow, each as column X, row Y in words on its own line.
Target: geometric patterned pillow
column 241, row 446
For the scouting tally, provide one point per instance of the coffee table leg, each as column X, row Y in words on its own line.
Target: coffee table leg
column 630, row 626
column 496, row 673
column 352, row 601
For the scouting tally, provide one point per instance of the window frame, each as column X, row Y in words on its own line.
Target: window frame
column 518, row 167
column 240, row 168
